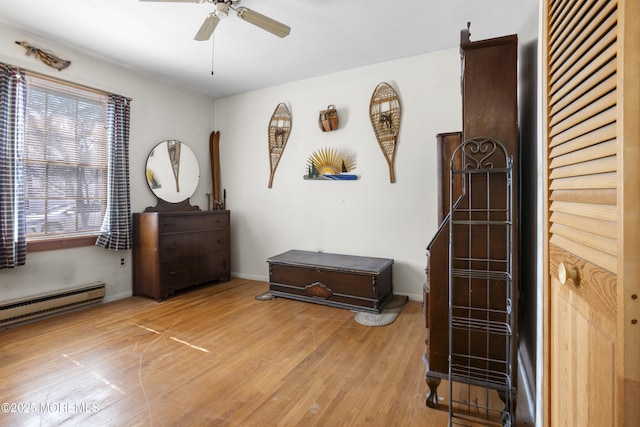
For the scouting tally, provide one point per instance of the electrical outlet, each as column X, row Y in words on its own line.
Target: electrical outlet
column 121, row 261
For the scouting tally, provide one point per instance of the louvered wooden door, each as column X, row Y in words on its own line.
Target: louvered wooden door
column 591, row 283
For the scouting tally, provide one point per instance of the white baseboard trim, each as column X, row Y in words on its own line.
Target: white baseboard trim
column 250, row 277
column 412, row 297
column 121, row 295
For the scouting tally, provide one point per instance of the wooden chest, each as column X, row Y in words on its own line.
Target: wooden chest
column 175, row 250
column 345, row 281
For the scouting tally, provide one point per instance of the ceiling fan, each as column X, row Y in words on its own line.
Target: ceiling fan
column 222, row 10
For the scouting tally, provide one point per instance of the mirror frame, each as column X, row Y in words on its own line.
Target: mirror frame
column 165, row 167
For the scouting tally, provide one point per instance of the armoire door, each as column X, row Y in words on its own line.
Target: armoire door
column 591, row 152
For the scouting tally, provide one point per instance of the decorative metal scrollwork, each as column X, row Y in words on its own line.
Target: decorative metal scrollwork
column 482, row 153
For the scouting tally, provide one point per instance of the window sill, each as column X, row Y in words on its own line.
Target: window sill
column 61, row 243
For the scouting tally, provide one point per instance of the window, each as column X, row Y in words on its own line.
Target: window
column 64, row 166
column 65, row 151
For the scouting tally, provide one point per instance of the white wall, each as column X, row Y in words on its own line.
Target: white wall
column 158, row 112
column 370, row 216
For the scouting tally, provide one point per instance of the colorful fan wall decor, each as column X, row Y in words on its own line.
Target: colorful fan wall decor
column 279, row 130
column 385, row 111
column 330, row 164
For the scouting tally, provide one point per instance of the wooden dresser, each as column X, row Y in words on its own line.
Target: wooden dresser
column 175, row 250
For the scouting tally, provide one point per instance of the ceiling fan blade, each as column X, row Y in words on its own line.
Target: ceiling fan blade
column 209, row 24
column 264, row 22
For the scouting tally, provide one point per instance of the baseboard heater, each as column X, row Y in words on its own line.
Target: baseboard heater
column 47, row 304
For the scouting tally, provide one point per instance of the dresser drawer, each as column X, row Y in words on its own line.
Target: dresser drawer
column 175, row 246
column 215, row 264
column 192, row 223
column 217, row 241
column 175, row 274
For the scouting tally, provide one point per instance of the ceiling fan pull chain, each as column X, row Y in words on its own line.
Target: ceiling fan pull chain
column 213, row 49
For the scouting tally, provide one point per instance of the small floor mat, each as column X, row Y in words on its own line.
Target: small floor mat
column 386, row 317
column 265, row 296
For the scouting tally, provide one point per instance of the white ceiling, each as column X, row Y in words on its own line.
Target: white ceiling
column 326, row 36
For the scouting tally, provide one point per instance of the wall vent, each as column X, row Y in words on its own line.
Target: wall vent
column 45, row 305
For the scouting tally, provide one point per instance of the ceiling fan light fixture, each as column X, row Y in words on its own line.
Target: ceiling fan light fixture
column 222, row 9
column 264, row 22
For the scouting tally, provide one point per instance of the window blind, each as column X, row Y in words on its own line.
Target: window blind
column 66, row 158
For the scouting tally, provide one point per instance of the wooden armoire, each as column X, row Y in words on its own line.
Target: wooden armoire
column 489, row 100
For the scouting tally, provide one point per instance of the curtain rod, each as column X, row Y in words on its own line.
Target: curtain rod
column 70, row 83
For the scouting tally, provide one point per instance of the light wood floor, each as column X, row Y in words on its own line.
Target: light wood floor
column 216, row 356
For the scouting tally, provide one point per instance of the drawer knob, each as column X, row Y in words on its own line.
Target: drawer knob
column 565, row 273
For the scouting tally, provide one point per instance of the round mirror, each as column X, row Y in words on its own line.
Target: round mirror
column 172, row 171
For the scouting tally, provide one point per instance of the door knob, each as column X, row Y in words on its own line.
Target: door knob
column 565, row 273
